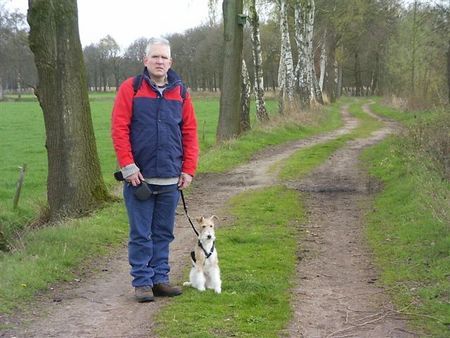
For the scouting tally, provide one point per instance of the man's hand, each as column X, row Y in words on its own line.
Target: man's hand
column 184, row 181
column 135, row 179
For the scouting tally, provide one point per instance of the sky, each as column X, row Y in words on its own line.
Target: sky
column 128, row 20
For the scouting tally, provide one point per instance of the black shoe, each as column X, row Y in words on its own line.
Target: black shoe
column 144, row 294
column 165, row 290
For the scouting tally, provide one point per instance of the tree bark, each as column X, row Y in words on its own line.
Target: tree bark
column 330, row 67
column 323, row 60
column 245, row 99
column 230, row 113
column 304, row 33
column 75, row 184
column 357, row 70
column 286, row 75
column 448, row 71
column 261, row 112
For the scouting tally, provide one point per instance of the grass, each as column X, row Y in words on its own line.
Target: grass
column 409, row 230
column 32, row 264
column 56, row 254
column 257, row 269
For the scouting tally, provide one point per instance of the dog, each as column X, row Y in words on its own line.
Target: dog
column 205, row 272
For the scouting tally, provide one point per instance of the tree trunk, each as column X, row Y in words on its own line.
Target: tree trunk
column 245, row 99
column 230, row 112
column 75, row 185
column 1, row 89
column 448, row 71
column 261, row 112
column 330, row 73
column 286, row 74
column 304, row 34
column 357, row 70
column 323, row 60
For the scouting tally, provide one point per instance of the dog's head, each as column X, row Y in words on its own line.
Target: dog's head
column 207, row 228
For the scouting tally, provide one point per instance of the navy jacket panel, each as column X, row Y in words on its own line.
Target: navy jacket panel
column 156, row 137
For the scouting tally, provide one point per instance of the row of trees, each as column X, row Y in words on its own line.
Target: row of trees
column 362, row 47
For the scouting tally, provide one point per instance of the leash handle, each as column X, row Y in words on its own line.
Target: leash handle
column 186, row 212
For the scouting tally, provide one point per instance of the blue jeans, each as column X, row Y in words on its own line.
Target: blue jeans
column 151, row 231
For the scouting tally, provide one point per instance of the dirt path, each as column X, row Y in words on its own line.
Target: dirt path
column 336, row 294
column 335, row 280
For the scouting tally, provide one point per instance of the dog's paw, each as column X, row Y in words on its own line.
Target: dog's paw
column 187, row 284
column 218, row 290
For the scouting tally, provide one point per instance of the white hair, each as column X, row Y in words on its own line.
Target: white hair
column 156, row 41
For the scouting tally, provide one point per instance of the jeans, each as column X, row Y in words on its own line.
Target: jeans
column 151, row 231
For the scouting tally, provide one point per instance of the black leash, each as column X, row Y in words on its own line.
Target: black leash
column 186, row 212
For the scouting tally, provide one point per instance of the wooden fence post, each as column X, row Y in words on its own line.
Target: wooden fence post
column 19, row 185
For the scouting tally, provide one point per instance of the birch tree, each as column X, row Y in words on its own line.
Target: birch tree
column 245, row 98
column 306, row 81
column 323, row 60
column 261, row 112
column 286, row 75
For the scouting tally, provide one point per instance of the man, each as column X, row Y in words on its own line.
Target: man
column 154, row 132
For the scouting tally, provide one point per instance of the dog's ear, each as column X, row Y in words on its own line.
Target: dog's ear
column 214, row 216
column 200, row 219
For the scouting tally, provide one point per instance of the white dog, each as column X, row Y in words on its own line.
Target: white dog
column 205, row 272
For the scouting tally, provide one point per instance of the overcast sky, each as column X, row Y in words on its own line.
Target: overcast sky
column 128, row 20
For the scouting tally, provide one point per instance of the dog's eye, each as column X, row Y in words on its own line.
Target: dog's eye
column 210, row 226
column 203, row 226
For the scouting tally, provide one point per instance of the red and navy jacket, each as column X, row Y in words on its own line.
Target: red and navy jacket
column 156, row 132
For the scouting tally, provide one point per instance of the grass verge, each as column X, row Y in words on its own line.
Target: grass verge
column 257, row 255
column 409, row 231
column 55, row 253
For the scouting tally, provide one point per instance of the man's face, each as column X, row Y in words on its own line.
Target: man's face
column 158, row 62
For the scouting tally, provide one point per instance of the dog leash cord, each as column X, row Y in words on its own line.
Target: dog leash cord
column 186, row 212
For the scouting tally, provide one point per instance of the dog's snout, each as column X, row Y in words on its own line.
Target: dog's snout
column 209, row 236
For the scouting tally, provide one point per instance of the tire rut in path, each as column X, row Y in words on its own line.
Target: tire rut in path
column 336, row 293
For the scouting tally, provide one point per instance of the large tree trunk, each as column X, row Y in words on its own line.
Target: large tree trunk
column 286, row 75
column 75, row 185
column 230, row 112
column 245, row 99
column 261, row 112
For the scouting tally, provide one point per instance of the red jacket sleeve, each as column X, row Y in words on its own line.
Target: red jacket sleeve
column 190, row 137
column 120, row 123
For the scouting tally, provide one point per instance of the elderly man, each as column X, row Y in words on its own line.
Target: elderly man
column 154, row 132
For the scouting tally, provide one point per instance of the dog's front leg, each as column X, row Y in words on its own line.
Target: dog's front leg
column 197, row 278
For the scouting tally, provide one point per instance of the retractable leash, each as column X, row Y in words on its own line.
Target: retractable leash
column 186, row 212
